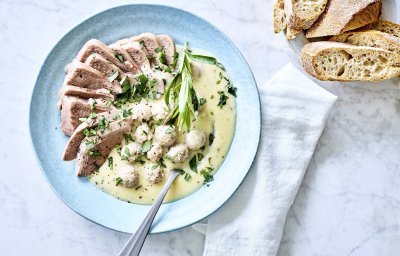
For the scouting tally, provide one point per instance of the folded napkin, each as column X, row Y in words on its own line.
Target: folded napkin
column 294, row 111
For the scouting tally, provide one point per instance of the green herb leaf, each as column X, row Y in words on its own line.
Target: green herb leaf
column 110, row 162
column 118, row 180
column 90, row 144
column 88, row 132
column 222, row 99
column 141, row 43
column 206, row 173
column 195, row 159
column 113, row 76
column 203, row 59
column 94, row 153
column 127, row 138
column 232, row 90
column 181, row 172
column 202, row 101
column 119, row 57
column 210, row 139
column 146, row 146
column 169, row 130
column 103, row 123
column 187, row 177
column 159, row 49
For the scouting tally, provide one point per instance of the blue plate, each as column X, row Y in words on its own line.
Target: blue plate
column 49, row 141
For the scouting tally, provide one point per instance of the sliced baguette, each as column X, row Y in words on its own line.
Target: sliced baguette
column 387, row 27
column 301, row 14
column 279, row 16
column 291, row 33
column 344, row 15
column 335, row 61
column 371, row 38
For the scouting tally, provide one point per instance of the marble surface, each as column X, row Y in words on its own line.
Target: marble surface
column 348, row 204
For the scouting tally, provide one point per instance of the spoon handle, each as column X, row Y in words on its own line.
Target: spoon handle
column 136, row 241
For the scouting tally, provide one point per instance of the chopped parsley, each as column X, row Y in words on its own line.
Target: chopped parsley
column 90, row 143
column 206, row 173
column 169, row 130
column 181, row 172
column 119, row 57
column 127, row 138
column 202, row 101
column 126, row 154
column 118, row 180
column 187, row 177
column 88, row 132
column 222, row 99
column 141, row 43
column 94, row 153
column 232, row 90
column 110, row 161
column 119, row 148
column 195, row 159
column 103, row 123
column 146, row 146
column 210, row 139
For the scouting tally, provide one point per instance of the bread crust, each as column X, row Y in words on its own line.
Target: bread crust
column 386, row 26
column 357, row 59
column 371, row 38
column 279, row 16
column 344, row 15
column 301, row 15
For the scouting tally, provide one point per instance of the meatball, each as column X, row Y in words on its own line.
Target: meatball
column 129, row 176
column 142, row 112
column 155, row 152
column 165, row 135
column 143, row 133
column 154, row 173
column 178, row 153
column 131, row 151
column 159, row 111
column 195, row 139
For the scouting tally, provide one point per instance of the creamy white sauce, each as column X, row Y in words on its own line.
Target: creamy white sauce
column 212, row 119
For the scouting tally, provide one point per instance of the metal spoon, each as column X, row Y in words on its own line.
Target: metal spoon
column 136, row 241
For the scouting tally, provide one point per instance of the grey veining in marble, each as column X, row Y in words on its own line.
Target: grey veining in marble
column 349, row 203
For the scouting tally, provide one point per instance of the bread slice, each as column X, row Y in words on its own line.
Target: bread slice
column 301, row 14
column 279, row 16
column 371, row 38
column 387, row 27
column 335, row 61
column 291, row 33
column 344, row 15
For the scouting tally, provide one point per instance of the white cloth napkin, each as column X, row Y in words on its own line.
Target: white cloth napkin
column 294, row 111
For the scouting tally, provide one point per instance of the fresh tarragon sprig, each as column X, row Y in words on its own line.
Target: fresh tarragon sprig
column 180, row 95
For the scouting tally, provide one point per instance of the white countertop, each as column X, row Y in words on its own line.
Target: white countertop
column 348, row 204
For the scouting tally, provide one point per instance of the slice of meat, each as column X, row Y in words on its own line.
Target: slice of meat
column 72, row 146
column 70, row 90
column 138, row 54
column 101, row 64
column 149, row 42
column 93, row 151
column 73, row 108
column 81, row 75
column 168, row 45
column 123, row 55
column 96, row 46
